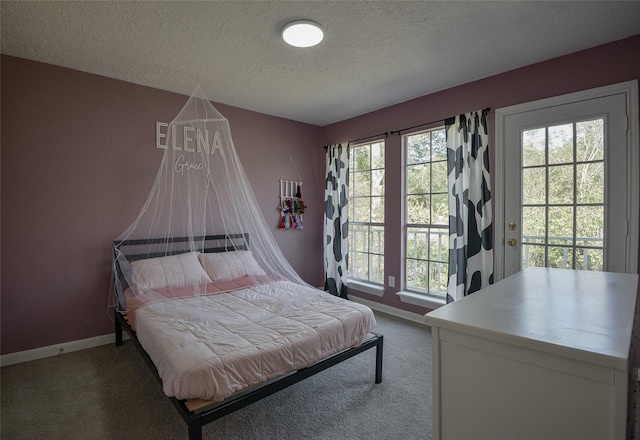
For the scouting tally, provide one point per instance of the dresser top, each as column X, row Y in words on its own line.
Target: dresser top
column 580, row 314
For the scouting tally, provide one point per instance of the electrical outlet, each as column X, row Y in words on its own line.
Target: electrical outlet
column 392, row 281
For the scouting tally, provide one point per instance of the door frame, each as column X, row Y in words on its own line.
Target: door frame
column 630, row 89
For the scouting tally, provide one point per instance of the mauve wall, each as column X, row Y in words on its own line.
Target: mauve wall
column 603, row 65
column 79, row 158
column 78, row 161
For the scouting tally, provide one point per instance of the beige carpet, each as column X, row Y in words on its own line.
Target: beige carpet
column 108, row 392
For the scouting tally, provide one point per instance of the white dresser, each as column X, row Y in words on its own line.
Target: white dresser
column 543, row 354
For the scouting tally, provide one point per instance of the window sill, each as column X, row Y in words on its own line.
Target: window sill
column 429, row 302
column 370, row 288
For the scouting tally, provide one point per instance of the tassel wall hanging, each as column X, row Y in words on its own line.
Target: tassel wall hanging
column 291, row 205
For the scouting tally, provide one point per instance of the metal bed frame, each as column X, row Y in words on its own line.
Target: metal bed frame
column 199, row 413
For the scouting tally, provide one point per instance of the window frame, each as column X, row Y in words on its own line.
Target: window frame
column 412, row 293
column 368, row 284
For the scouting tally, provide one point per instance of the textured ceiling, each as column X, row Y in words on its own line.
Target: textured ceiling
column 375, row 53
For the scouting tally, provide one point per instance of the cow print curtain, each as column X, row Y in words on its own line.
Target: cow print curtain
column 470, row 218
column 336, row 224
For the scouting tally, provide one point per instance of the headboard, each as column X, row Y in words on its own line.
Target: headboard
column 143, row 248
column 171, row 245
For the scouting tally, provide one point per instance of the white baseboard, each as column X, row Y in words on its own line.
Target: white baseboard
column 410, row 316
column 83, row 344
column 58, row 349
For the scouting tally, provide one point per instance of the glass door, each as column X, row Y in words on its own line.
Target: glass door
column 565, row 186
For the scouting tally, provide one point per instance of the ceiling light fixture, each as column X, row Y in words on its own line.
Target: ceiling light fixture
column 302, row 33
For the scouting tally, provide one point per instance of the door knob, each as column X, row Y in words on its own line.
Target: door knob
column 512, row 242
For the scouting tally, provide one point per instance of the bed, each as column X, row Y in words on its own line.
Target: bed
column 224, row 334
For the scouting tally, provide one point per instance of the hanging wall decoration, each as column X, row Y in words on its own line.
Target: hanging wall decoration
column 291, row 202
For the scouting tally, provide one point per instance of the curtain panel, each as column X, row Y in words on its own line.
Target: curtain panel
column 470, row 216
column 336, row 224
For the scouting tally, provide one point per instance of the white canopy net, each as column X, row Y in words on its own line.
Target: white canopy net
column 201, row 203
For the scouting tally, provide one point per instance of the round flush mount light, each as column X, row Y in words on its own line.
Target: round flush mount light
column 302, row 33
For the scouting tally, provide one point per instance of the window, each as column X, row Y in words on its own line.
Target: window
column 563, row 173
column 366, row 213
column 427, row 213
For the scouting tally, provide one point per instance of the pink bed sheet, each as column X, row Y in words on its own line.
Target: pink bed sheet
column 136, row 300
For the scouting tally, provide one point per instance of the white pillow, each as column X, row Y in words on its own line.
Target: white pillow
column 222, row 266
column 171, row 271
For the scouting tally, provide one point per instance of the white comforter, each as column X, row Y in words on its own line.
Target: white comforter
column 210, row 347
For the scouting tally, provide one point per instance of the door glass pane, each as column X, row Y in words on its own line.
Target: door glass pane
column 533, row 256
column 561, row 225
column 533, row 224
column 563, row 195
column 534, row 186
column 561, row 185
column 561, row 144
column 590, row 140
column 533, row 147
column 560, row 257
column 590, row 182
column 589, row 259
column 590, row 225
